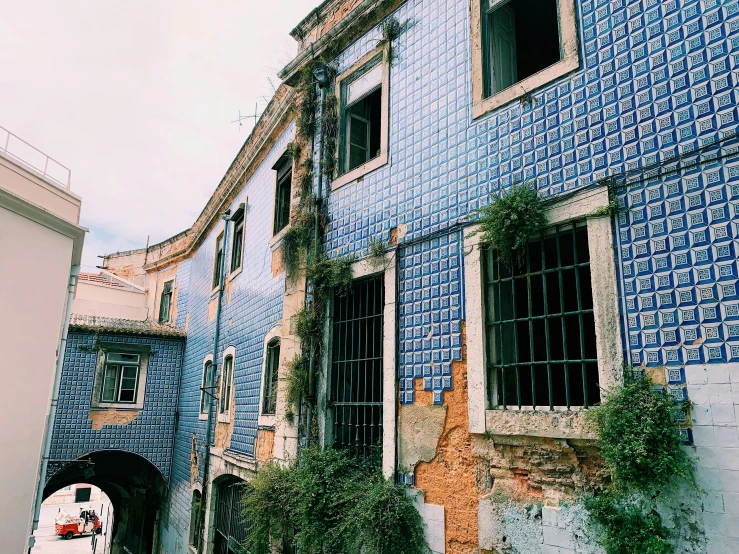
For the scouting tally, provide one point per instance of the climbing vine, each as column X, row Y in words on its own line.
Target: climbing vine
column 327, row 501
column 510, row 222
column 645, row 460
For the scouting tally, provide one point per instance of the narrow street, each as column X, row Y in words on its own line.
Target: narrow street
column 47, row 542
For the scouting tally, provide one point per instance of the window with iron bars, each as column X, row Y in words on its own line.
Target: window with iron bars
column 356, row 368
column 231, row 528
column 539, row 324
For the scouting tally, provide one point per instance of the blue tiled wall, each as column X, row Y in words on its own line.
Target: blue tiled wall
column 657, row 79
column 254, row 308
column 150, row 434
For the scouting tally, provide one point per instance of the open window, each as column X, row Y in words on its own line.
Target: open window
column 283, row 193
column 363, row 103
column 518, row 46
column 237, row 244
column 120, row 376
column 165, row 302
column 218, row 262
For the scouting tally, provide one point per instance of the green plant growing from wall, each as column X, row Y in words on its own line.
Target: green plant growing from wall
column 510, row 222
column 645, row 460
column 327, row 501
column 391, row 29
column 376, row 252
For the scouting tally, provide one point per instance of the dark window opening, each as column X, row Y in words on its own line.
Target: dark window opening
column 237, row 249
column 356, row 368
column 120, row 377
column 205, row 388
column 165, row 303
column 226, row 382
column 540, row 330
column 282, row 196
column 271, row 366
column 196, row 520
column 521, row 38
column 362, row 130
column 218, row 262
column 231, row 527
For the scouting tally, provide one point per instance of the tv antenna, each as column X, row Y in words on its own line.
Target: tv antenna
column 241, row 118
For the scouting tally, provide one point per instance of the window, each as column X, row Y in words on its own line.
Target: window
column 120, row 377
column 282, row 194
column 271, row 367
column 363, row 92
column 218, row 262
column 165, row 304
column 226, row 384
column 356, row 367
column 518, row 46
column 539, row 324
column 231, row 528
column 196, row 520
column 237, row 248
column 205, row 388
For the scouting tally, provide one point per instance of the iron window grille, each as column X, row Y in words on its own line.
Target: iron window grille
column 237, row 249
column 356, row 368
column 205, row 387
column 231, row 527
column 539, row 324
column 226, row 383
column 282, row 195
column 218, row 262
column 121, row 377
column 165, row 304
column 271, row 366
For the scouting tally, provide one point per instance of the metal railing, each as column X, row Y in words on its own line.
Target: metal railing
column 14, row 147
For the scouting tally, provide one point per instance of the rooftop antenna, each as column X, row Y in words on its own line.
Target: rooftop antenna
column 243, row 117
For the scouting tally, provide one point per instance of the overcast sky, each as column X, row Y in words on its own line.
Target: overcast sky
column 137, row 99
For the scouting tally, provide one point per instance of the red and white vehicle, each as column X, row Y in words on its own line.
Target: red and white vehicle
column 87, row 521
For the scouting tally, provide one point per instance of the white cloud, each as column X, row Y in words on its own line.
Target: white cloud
column 137, row 98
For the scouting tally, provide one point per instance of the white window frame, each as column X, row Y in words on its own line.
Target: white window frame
column 269, row 420
column 364, row 268
column 382, row 159
column 171, row 302
column 203, row 415
column 546, row 423
column 570, row 60
column 226, row 386
column 144, row 352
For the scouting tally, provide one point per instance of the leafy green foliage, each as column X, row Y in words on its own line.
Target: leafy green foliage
column 645, row 458
column 376, row 252
column 326, row 501
column 331, row 273
column 638, row 438
column 329, row 131
column 297, row 384
column 632, row 528
column 391, row 29
column 295, row 243
column 511, row 221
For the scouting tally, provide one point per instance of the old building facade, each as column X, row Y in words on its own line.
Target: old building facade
column 474, row 381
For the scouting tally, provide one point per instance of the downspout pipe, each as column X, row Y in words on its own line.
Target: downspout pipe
column 71, row 286
column 210, row 382
column 316, row 246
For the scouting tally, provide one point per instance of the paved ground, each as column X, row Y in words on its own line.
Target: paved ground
column 47, row 542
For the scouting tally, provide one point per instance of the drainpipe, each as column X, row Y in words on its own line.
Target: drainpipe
column 321, row 77
column 212, row 378
column 71, row 285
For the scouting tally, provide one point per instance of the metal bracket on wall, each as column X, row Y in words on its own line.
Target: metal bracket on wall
column 206, row 391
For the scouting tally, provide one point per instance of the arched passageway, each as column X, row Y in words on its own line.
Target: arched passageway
column 136, row 489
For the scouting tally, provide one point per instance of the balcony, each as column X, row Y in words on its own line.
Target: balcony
column 18, row 150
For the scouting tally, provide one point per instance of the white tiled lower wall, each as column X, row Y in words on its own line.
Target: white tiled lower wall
column 433, row 517
column 714, row 390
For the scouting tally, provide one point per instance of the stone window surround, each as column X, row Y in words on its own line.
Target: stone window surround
column 364, row 268
column 274, row 333
column 383, row 158
column 570, row 61
column 546, row 423
column 277, row 237
column 203, row 416
column 144, row 350
column 225, row 417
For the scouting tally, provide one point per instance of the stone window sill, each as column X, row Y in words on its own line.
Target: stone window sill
column 539, row 423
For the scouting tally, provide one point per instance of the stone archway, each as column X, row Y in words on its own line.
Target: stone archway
column 136, row 489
